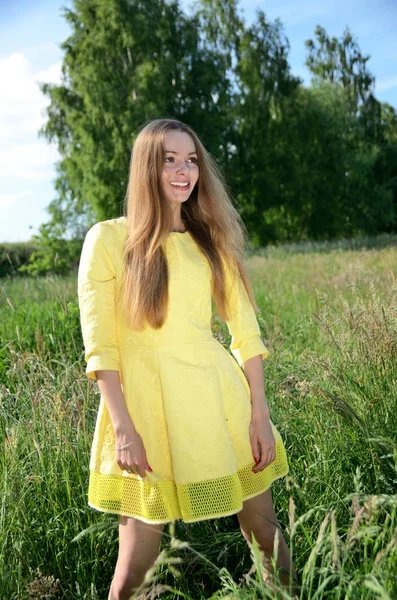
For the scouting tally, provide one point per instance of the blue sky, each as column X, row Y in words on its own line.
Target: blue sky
column 32, row 30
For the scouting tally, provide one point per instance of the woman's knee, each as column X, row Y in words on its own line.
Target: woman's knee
column 258, row 518
column 139, row 545
column 138, row 541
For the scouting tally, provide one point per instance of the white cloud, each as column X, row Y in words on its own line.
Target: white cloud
column 50, row 75
column 20, row 95
column 28, row 161
column 22, row 104
column 6, row 200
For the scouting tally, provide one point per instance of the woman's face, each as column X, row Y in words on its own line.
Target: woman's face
column 179, row 166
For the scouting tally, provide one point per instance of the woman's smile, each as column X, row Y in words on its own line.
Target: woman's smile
column 182, row 185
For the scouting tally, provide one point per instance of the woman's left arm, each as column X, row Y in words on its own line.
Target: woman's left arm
column 261, row 435
column 250, row 352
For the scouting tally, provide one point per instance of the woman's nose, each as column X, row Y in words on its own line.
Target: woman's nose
column 181, row 167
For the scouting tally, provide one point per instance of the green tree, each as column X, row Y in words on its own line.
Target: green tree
column 301, row 163
column 369, row 206
column 125, row 62
column 340, row 62
column 257, row 65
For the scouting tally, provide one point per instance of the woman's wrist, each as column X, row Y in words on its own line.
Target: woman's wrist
column 259, row 407
column 124, row 429
column 127, row 444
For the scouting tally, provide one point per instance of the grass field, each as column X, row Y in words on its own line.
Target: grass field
column 329, row 318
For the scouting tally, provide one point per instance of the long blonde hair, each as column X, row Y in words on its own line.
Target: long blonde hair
column 208, row 214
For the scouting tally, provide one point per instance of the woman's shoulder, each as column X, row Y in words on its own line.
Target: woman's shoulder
column 110, row 229
column 116, row 225
column 107, row 237
column 105, row 241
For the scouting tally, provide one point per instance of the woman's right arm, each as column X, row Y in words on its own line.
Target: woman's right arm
column 133, row 458
column 110, row 388
column 96, row 294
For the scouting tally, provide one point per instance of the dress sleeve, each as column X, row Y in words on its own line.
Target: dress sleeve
column 96, row 295
column 243, row 326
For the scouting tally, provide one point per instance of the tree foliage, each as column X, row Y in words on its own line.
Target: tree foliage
column 301, row 163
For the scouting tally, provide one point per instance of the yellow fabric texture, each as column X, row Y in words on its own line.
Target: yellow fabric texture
column 187, row 395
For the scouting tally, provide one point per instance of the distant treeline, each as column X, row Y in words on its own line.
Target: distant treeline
column 13, row 256
column 302, row 163
column 17, row 259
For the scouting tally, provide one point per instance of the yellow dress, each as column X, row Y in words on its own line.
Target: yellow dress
column 187, row 395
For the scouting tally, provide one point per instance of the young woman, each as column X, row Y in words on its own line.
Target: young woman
column 182, row 432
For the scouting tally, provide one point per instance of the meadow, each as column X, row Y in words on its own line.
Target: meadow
column 328, row 314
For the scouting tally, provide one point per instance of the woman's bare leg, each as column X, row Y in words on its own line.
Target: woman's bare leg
column 139, row 545
column 258, row 517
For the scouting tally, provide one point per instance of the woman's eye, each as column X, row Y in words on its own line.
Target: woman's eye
column 172, row 158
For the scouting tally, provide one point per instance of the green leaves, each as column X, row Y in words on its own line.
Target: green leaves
column 302, row 163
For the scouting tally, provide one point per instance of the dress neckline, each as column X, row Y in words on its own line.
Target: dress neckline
column 174, row 233
column 179, row 237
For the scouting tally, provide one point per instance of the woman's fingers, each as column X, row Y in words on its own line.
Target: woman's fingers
column 133, row 462
column 255, row 446
column 124, row 463
column 267, row 456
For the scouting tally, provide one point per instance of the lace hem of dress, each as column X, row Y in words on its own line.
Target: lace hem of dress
column 162, row 501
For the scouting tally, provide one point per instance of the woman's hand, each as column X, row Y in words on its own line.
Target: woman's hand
column 133, row 458
column 262, row 440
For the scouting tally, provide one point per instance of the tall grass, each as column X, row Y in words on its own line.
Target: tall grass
column 329, row 320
